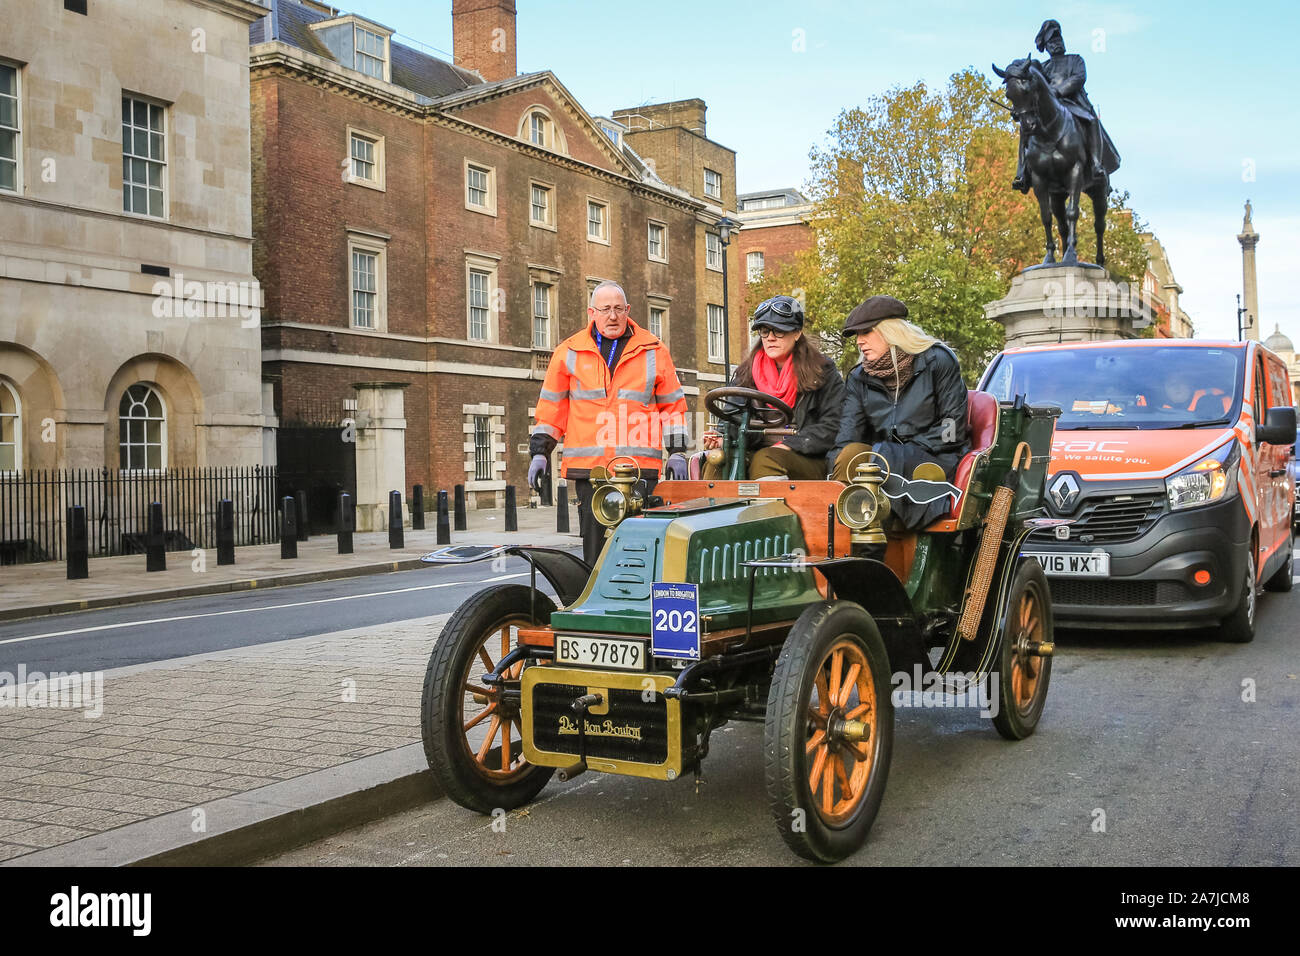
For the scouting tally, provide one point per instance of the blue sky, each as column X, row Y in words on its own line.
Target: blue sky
column 1199, row 97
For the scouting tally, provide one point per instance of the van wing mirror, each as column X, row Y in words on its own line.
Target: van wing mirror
column 1278, row 427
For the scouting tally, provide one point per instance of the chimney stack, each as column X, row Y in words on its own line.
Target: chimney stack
column 483, row 37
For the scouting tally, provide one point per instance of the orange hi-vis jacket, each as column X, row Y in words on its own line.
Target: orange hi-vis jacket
column 635, row 411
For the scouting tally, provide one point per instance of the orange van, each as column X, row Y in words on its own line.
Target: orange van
column 1170, row 475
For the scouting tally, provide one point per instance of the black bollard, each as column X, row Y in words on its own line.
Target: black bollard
column 460, row 509
column 155, row 558
column 304, row 526
column 562, row 509
column 395, row 537
column 288, row 528
column 225, row 531
column 417, row 508
column 78, row 544
column 347, row 522
column 512, row 519
column 444, row 528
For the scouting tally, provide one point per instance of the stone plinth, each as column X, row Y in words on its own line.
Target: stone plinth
column 1079, row 303
column 381, row 452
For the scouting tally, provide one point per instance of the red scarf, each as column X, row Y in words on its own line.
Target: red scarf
column 768, row 379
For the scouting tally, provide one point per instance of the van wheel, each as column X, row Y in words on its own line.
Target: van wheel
column 1239, row 626
column 1282, row 578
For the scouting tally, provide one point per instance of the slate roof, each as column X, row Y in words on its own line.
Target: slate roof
column 412, row 69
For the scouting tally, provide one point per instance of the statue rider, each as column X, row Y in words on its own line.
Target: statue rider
column 1066, row 73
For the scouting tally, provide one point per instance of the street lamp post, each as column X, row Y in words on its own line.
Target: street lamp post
column 1240, row 312
column 725, row 229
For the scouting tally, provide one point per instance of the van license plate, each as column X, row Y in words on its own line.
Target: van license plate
column 611, row 652
column 1095, row 564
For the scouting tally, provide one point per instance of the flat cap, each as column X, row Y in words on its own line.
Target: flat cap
column 872, row 312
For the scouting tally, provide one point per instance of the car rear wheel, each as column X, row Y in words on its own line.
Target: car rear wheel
column 1239, row 626
column 473, row 733
column 1022, row 673
column 829, row 731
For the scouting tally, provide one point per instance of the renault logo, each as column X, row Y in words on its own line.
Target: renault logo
column 1064, row 491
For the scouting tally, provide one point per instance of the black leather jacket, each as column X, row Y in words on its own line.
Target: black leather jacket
column 930, row 411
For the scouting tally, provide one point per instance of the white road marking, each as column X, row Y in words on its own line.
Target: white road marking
column 249, row 610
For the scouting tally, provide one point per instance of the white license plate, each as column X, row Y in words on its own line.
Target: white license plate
column 1094, row 564
column 624, row 654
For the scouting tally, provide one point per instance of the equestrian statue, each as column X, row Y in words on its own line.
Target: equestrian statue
column 1064, row 151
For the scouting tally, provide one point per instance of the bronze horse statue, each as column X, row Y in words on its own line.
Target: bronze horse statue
column 1056, row 158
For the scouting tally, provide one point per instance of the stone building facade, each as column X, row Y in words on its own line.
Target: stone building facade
column 128, row 313
column 440, row 230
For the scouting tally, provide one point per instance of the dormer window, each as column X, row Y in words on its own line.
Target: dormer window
column 538, row 127
column 371, row 52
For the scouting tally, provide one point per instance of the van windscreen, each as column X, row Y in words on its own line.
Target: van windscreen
column 1132, row 387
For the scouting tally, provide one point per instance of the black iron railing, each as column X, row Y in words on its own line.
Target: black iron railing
column 33, row 509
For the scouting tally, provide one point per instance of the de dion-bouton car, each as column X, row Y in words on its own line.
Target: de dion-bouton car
column 784, row 603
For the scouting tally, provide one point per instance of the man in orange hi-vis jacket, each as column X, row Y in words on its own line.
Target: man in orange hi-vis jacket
column 611, row 390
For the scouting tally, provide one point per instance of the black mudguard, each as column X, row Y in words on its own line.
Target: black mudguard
column 566, row 572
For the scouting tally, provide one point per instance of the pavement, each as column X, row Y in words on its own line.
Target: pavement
column 221, row 757
column 32, row 590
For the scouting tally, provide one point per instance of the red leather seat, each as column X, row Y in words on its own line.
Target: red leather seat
column 982, row 426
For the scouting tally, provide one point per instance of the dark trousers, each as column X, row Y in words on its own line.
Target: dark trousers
column 592, row 531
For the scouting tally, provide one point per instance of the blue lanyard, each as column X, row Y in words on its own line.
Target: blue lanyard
column 600, row 341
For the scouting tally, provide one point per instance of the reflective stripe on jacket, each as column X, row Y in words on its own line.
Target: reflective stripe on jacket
column 635, row 411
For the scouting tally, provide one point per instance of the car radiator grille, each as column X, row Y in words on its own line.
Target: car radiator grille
column 1083, row 593
column 1110, row 521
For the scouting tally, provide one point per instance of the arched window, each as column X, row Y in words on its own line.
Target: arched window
column 11, row 429
column 142, row 429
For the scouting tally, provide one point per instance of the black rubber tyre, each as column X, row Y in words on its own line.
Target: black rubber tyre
column 1022, row 677
column 1239, row 626
column 1282, row 579
column 466, row 766
column 800, row 709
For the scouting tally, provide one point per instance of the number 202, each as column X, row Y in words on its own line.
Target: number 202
column 674, row 620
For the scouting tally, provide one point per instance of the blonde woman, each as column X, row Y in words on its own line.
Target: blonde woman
column 905, row 400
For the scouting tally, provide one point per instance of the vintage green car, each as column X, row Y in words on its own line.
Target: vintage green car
column 787, row 603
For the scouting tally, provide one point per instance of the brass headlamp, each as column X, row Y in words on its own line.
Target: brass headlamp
column 862, row 506
column 616, row 496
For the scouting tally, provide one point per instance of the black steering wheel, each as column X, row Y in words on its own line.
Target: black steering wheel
column 766, row 411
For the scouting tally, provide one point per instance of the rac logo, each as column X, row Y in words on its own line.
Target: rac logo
column 1080, row 445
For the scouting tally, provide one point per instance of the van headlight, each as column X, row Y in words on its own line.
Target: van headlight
column 1213, row 478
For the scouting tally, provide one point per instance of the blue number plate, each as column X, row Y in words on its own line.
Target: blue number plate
column 675, row 620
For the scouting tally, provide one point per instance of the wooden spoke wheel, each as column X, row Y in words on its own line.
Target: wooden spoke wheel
column 473, row 732
column 1023, row 672
column 829, row 731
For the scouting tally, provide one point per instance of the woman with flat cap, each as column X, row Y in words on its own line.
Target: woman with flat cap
column 905, row 400
column 783, row 363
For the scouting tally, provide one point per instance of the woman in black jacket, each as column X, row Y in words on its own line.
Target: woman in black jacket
column 784, row 364
column 905, row 400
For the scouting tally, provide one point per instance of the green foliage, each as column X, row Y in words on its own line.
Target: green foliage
column 913, row 199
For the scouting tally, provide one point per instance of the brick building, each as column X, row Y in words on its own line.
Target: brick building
column 438, row 228
column 774, row 229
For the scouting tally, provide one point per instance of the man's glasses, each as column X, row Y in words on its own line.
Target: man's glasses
column 770, row 333
column 613, row 310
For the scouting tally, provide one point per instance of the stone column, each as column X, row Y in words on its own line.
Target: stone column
column 1249, row 238
column 270, row 424
column 381, row 451
column 1049, row 304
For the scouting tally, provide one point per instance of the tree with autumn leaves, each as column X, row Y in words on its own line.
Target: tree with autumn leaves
column 912, row 198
